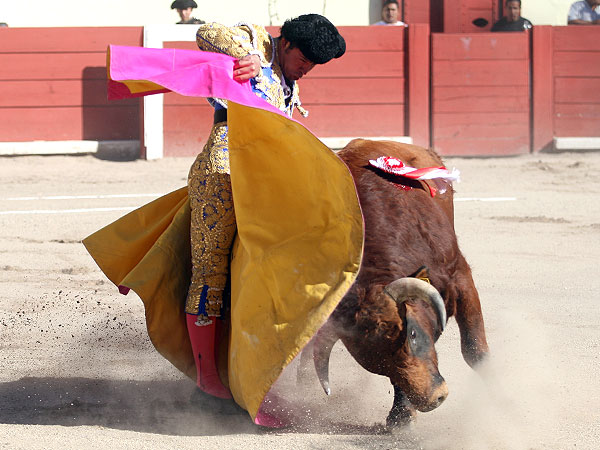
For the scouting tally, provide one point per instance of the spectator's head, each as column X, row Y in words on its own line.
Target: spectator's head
column 184, row 8
column 305, row 41
column 390, row 11
column 512, row 10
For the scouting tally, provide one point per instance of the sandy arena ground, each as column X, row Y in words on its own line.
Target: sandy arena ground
column 78, row 371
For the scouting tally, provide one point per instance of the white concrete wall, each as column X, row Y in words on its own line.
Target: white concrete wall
column 44, row 13
column 546, row 12
column 70, row 13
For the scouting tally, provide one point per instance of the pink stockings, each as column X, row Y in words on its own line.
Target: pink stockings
column 203, row 339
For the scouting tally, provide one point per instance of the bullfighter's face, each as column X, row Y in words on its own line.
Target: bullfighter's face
column 292, row 61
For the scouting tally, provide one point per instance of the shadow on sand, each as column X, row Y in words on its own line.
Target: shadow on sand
column 163, row 407
column 160, row 407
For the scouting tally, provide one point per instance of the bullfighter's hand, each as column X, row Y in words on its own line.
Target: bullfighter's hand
column 246, row 68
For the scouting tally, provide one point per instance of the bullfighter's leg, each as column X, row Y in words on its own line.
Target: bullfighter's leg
column 402, row 412
column 470, row 319
column 212, row 231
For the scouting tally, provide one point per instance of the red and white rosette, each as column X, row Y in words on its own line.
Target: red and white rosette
column 441, row 176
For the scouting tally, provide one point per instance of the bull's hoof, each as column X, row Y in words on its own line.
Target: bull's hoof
column 400, row 419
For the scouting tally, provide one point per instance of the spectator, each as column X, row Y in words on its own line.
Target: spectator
column 512, row 20
column 584, row 12
column 390, row 13
column 184, row 8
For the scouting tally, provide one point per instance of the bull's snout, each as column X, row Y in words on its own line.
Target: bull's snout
column 437, row 397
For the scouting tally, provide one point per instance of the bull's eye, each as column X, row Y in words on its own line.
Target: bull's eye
column 413, row 334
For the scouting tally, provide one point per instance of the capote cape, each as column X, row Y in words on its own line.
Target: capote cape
column 300, row 229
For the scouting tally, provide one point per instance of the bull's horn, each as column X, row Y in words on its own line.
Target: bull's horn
column 402, row 289
column 324, row 341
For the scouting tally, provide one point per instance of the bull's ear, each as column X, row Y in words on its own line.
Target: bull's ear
column 389, row 329
column 422, row 273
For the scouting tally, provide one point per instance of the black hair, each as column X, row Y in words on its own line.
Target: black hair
column 183, row 4
column 387, row 2
column 316, row 37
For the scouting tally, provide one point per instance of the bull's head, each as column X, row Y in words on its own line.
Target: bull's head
column 396, row 327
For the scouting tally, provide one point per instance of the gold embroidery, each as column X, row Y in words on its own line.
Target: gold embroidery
column 237, row 42
column 212, row 213
column 212, row 224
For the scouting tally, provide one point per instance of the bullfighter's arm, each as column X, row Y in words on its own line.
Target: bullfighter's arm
column 237, row 41
column 250, row 44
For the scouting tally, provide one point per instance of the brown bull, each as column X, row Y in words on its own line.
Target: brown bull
column 390, row 319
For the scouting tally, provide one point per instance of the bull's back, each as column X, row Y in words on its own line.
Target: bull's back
column 358, row 152
column 404, row 229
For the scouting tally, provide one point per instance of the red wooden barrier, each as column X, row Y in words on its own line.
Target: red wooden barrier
column 543, row 101
column 53, row 85
column 418, row 84
column 480, row 93
column 576, row 71
column 459, row 15
column 361, row 94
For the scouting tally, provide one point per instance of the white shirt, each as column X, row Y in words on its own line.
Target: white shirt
column 398, row 24
column 582, row 11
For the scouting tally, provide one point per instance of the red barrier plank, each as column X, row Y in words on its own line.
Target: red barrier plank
column 482, row 147
column 358, row 39
column 577, row 64
column 356, row 64
column 45, row 93
column 371, row 64
column 331, row 91
column 355, row 121
column 184, row 45
column 189, row 126
column 177, row 147
column 39, row 66
column 480, row 73
column 419, row 66
column 327, row 91
column 172, row 99
column 188, row 120
column 577, row 120
column 542, row 88
column 478, row 99
column 352, row 90
column 576, row 90
column 482, row 46
column 417, row 11
column 57, row 124
column 366, row 39
column 186, row 129
column 481, row 126
column 67, row 39
column 576, row 38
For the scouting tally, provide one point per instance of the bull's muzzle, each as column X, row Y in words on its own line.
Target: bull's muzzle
column 436, row 398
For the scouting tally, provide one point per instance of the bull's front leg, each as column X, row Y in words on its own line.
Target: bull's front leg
column 402, row 412
column 469, row 318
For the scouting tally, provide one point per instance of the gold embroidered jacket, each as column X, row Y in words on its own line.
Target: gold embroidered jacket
column 246, row 39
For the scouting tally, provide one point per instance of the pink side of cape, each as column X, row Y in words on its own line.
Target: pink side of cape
column 187, row 72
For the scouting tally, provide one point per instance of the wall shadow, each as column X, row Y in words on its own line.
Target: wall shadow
column 104, row 120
